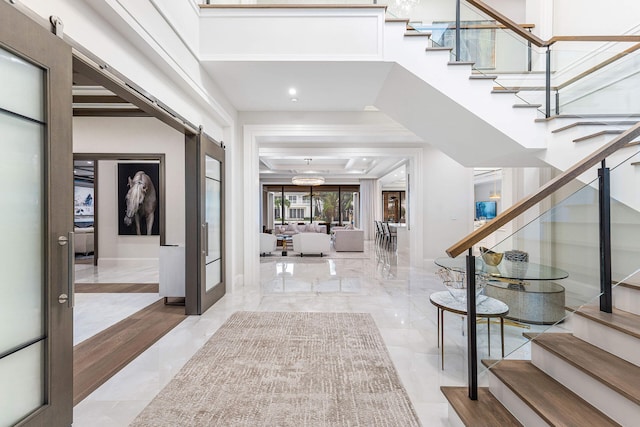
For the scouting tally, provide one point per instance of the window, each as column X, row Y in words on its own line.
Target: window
column 296, row 213
column 293, row 199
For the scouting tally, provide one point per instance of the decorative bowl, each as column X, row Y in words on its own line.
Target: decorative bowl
column 490, row 257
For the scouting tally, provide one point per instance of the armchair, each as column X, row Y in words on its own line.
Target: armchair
column 314, row 243
column 267, row 243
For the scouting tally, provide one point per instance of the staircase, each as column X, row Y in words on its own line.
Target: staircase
column 431, row 95
column 590, row 377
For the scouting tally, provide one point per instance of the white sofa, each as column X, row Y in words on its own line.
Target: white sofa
column 267, row 243
column 312, row 243
column 83, row 240
column 345, row 240
column 291, row 229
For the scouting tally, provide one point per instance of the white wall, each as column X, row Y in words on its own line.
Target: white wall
column 594, row 17
column 134, row 38
column 448, row 206
column 133, row 135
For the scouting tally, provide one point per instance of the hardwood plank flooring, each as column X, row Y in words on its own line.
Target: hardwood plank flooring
column 112, row 288
column 487, row 411
column 554, row 403
column 100, row 357
column 614, row 372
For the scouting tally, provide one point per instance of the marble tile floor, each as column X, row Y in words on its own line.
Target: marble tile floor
column 96, row 312
column 122, row 273
column 385, row 285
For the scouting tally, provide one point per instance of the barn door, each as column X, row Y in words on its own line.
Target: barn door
column 212, row 284
column 36, row 255
column 205, row 240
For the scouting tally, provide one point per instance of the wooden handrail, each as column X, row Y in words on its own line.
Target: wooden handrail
column 580, row 76
column 545, row 43
column 508, row 23
column 612, row 38
column 549, row 188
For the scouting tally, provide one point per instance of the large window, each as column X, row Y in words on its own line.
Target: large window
column 326, row 206
column 323, row 204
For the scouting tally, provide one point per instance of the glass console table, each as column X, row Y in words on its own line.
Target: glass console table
column 526, row 287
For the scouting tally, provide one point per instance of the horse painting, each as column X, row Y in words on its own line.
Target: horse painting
column 141, row 202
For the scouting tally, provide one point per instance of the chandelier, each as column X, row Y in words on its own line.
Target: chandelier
column 307, row 180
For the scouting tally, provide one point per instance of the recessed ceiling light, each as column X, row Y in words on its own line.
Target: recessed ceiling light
column 292, row 91
column 294, row 99
column 364, row 159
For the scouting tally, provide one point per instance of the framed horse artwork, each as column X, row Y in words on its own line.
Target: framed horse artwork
column 138, row 199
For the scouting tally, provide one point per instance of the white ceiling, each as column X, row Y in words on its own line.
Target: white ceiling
column 363, row 143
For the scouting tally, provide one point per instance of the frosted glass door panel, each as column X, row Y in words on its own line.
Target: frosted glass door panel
column 22, row 86
column 213, row 219
column 214, row 274
column 22, row 384
column 213, row 168
column 21, row 210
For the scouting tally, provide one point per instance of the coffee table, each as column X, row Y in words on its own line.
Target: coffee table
column 282, row 240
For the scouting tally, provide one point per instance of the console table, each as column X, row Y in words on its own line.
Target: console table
column 525, row 287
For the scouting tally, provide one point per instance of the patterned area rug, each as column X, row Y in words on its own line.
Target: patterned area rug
column 286, row 369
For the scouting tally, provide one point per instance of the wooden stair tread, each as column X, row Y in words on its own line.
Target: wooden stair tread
column 415, row 33
column 553, row 402
column 612, row 371
column 630, row 285
column 486, row 411
column 461, row 63
column 595, row 123
column 619, row 320
column 583, row 116
column 482, row 77
column 527, row 105
column 405, row 20
column 602, row 132
column 504, row 91
column 438, row 48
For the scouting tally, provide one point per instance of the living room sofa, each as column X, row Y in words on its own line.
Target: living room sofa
column 345, row 240
column 311, row 243
column 291, row 229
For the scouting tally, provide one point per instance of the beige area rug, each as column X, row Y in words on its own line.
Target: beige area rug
column 286, row 369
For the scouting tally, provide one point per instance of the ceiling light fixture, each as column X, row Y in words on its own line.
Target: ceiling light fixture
column 292, row 91
column 294, row 99
column 307, row 180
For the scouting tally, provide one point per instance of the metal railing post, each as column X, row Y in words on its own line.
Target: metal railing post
column 458, row 30
column 547, row 109
column 604, row 202
column 472, row 339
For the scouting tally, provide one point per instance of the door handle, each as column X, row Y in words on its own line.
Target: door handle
column 205, row 238
column 71, row 276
